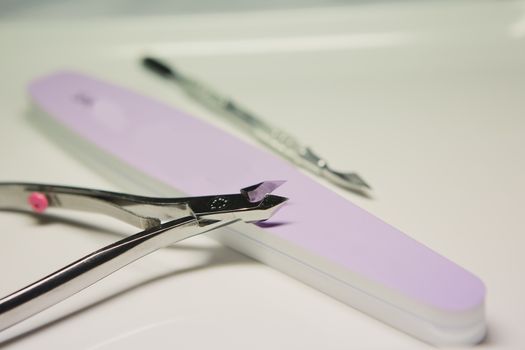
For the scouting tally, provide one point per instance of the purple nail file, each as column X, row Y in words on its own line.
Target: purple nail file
column 319, row 238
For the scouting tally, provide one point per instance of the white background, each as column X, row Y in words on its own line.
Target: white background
column 426, row 101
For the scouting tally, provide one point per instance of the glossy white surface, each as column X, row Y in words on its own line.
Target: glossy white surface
column 426, row 101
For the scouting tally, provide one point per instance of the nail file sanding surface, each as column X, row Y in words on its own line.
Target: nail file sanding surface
column 320, row 237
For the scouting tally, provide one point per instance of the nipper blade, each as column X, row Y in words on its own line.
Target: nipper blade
column 256, row 193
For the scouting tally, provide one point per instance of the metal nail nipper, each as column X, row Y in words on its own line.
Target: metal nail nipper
column 164, row 221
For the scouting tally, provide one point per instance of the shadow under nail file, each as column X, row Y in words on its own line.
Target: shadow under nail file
column 338, row 248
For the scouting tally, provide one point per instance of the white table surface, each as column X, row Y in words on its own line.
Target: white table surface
column 426, row 101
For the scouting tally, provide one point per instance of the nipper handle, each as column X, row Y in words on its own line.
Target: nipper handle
column 82, row 273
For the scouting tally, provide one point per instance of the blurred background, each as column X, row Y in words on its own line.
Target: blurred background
column 97, row 8
column 424, row 99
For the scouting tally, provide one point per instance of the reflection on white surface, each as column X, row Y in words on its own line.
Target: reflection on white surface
column 517, row 29
column 187, row 333
column 272, row 45
column 131, row 335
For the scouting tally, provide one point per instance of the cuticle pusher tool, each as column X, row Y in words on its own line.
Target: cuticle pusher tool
column 276, row 139
column 164, row 221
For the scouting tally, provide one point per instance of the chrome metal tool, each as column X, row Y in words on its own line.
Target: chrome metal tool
column 278, row 140
column 164, row 221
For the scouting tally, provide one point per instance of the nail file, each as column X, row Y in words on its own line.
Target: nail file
column 320, row 238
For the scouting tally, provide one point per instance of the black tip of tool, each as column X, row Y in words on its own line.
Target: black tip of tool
column 158, row 67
